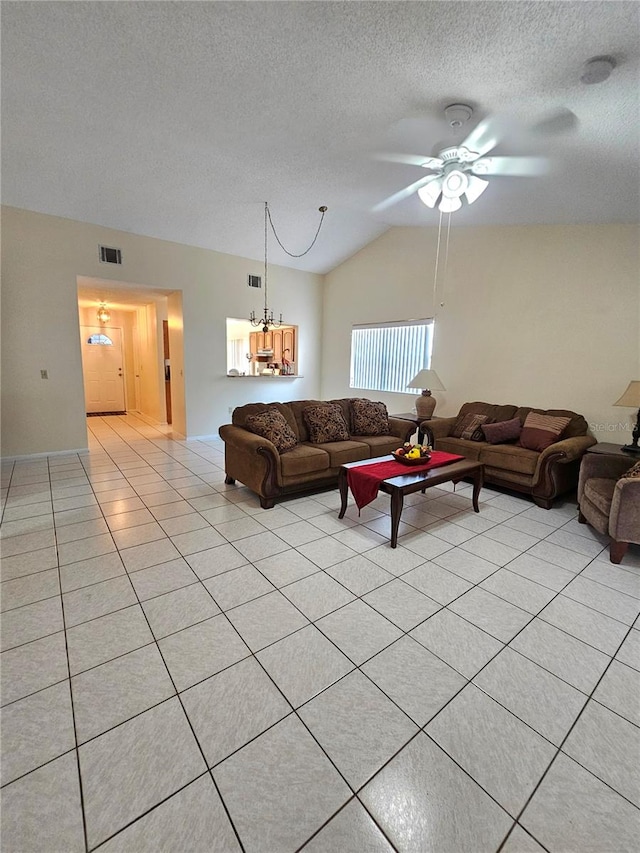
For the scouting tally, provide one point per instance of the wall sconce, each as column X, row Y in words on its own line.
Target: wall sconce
column 104, row 314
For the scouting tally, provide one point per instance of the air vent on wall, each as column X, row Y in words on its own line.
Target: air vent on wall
column 109, row 255
column 254, row 281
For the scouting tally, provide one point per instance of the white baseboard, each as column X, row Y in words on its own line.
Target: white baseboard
column 26, row 456
column 204, row 438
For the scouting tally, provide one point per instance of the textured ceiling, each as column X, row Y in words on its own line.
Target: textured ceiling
column 178, row 120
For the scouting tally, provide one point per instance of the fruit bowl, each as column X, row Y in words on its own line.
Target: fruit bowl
column 402, row 454
column 405, row 460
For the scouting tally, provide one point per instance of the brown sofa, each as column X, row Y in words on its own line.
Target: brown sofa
column 256, row 462
column 543, row 475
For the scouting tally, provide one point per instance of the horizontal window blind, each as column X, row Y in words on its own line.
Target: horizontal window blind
column 386, row 356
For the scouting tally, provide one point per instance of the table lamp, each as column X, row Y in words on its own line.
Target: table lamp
column 427, row 380
column 631, row 398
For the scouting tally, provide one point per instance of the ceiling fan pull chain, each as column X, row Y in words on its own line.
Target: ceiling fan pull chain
column 435, row 271
column 322, row 210
column 446, row 261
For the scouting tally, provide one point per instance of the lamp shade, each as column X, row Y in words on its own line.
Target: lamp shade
column 430, row 379
column 631, row 396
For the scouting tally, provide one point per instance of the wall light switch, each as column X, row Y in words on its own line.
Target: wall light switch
column 44, row 374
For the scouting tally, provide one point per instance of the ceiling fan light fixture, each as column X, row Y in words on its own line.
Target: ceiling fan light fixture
column 430, row 193
column 455, row 184
column 450, row 205
column 475, row 189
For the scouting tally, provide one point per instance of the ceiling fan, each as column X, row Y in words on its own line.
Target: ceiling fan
column 459, row 172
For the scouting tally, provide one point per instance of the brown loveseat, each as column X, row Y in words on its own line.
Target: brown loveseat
column 543, row 475
column 255, row 461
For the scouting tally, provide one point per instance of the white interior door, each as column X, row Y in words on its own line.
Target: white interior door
column 102, row 366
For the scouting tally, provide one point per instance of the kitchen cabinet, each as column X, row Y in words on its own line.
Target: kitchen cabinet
column 278, row 340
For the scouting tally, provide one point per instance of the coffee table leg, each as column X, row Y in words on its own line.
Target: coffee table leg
column 478, row 480
column 396, row 512
column 344, row 491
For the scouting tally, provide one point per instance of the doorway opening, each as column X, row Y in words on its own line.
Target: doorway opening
column 132, row 351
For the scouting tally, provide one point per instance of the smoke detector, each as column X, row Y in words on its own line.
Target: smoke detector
column 457, row 115
column 597, row 70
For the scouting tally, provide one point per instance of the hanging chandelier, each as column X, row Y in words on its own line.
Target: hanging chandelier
column 267, row 320
column 104, row 315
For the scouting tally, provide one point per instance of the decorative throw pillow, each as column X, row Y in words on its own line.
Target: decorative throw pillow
column 633, row 472
column 469, row 427
column 369, row 418
column 541, row 431
column 325, row 423
column 272, row 425
column 503, row 431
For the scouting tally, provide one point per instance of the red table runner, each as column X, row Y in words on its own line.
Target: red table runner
column 365, row 479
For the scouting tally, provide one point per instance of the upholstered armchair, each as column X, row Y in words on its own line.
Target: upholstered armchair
column 609, row 502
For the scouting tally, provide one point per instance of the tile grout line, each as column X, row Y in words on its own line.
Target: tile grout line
column 73, row 711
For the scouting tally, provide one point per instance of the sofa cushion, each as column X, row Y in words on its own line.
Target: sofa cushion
column 493, row 411
column 510, row 457
column 600, row 492
column 297, row 408
column 576, row 426
column 541, row 431
column 325, row 423
column 369, row 418
column 468, row 449
column 272, row 426
column 341, row 452
column 304, row 459
column 380, row 445
column 241, row 413
column 503, row 431
column 468, row 426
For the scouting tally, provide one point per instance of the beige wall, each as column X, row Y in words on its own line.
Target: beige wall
column 42, row 256
column 546, row 316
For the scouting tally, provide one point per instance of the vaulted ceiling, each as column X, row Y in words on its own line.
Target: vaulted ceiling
column 178, row 120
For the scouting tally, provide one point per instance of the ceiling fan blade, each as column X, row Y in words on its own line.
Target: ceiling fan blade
column 402, row 194
column 561, row 121
column 511, row 166
column 410, row 159
column 487, row 134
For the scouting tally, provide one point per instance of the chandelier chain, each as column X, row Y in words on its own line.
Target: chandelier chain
column 268, row 320
column 322, row 210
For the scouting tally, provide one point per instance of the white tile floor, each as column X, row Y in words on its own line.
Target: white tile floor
column 184, row 671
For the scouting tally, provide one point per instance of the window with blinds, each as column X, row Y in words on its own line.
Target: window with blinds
column 386, row 356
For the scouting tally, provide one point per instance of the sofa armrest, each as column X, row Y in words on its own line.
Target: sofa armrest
column 401, row 428
column 562, row 452
column 252, row 459
column 241, row 439
column 624, row 518
column 438, row 427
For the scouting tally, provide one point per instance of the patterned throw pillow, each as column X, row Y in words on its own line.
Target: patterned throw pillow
column 503, row 431
column 325, row 423
column 633, row 472
column 369, row 418
column 541, row 431
column 272, row 426
column 469, row 427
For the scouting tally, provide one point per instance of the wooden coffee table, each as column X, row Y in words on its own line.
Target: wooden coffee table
column 407, row 484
